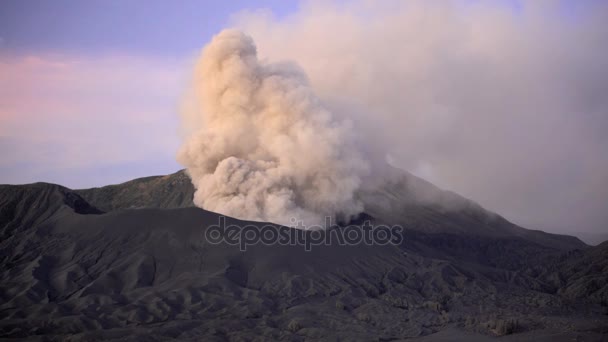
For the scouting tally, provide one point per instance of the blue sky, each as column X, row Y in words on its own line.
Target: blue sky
column 90, row 90
column 160, row 28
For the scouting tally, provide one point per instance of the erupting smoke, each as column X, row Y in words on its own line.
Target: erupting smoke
column 499, row 101
column 266, row 149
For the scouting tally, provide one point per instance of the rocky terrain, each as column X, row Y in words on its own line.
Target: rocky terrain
column 131, row 262
column 172, row 191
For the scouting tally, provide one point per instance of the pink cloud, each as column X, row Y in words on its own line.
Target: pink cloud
column 93, row 111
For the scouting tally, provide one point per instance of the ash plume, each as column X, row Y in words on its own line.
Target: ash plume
column 500, row 101
column 261, row 145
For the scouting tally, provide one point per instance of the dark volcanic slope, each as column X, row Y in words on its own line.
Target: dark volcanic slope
column 171, row 191
column 69, row 272
column 404, row 199
column 581, row 274
column 23, row 206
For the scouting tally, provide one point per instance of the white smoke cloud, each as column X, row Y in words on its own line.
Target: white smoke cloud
column 260, row 144
column 502, row 101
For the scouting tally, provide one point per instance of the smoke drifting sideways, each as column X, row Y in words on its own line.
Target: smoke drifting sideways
column 503, row 102
column 261, row 146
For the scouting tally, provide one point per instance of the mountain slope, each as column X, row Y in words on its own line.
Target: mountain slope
column 580, row 274
column 171, row 191
column 398, row 197
column 27, row 205
column 70, row 271
column 149, row 273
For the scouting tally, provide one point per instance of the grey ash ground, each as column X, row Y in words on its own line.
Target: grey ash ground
column 129, row 262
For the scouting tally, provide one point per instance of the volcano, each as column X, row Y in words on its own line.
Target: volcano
column 132, row 262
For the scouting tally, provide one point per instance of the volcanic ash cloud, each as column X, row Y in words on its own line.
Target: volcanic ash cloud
column 263, row 147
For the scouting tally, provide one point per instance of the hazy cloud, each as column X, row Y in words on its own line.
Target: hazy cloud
column 73, row 113
column 504, row 102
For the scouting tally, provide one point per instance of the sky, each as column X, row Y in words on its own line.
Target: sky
column 80, row 80
column 501, row 101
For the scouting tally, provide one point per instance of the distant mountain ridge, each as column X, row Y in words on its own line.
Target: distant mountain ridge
column 27, row 205
column 401, row 198
column 170, row 191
